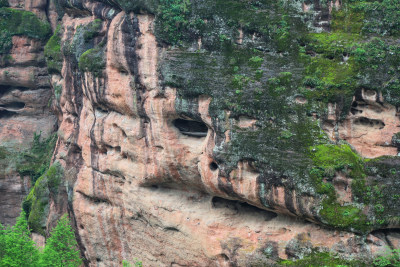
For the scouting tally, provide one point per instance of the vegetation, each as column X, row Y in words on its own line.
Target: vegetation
column 20, row 22
column 172, row 19
column 4, row 3
column 136, row 263
column 317, row 259
column 93, row 61
column 36, row 204
column 92, row 30
column 18, row 250
column 390, row 258
column 36, row 161
column 284, row 58
column 87, row 49
column 52, row 52
column 61, row 248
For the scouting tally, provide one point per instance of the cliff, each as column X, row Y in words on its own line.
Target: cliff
column 204, row 133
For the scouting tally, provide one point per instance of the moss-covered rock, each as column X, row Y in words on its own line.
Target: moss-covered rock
column 20, row 22
column 261, row 77
column 52, row 52
column 36, row 160
column 36, row 204
column 93, row 61
column 316, row 259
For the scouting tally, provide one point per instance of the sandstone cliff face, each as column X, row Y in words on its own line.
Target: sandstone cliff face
column 214, row 134
column 25, row 100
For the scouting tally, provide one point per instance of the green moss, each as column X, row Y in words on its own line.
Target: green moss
column 57, row 91
column 35, row 162
column 344, row 217
column 52, row 52
column 381, row 17
column 36, row 204
column 92, row 29
column 317, row 259
column 93, row 61
column 338, row 158
column 139, row 5
column 19, row 22
column 328, row 160
column 278, row 62
column 347, row 19
column 3, row 152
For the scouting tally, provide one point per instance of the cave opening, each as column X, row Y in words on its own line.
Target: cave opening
column 241, row 208
column 191, row 128
column 13, row 105
column 6, row 114
column 213, row 166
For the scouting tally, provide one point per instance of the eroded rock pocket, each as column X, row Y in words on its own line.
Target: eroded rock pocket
column 191, row 128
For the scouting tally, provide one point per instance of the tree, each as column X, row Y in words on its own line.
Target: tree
column 3, row 232
column 61, row 248
column 19, row 250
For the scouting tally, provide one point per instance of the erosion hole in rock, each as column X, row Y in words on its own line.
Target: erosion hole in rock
column 13, row 105
column 355, row 111
column 223, row 257
column 75, row 148
column 370, row 93
column 370, row 122
column 6, row 114
column 241, row 208
column 213, row 166
column 191, row 128
column 171, row 228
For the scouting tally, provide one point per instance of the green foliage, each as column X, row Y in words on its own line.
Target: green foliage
column 36, row 204
column 138, row 5
column 92, row 30
column 19, row 250
column 4, row 3
column 93, row 61
column 256, row 61
column 344, row 217
column 338, row 158
column 52, row 52
column 318, row 259
column 390, row 258
column 137, row 263
column 381, row 17
column 20, row 22
column 36, row 161
column 329, row 159
column 61, row 248
column 172, row 20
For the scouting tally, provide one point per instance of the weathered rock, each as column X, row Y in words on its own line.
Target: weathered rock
column 25, row 98
column 151, row 184
column 211, row 152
